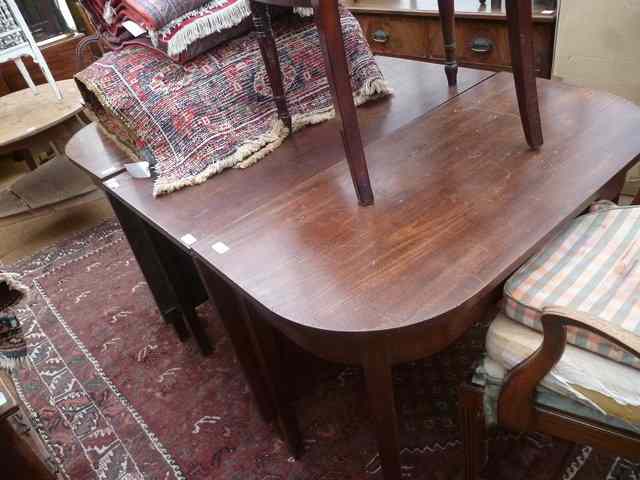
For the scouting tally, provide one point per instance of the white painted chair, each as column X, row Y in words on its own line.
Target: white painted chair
column 16, row 41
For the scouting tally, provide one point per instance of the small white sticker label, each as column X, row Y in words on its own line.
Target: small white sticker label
column 220, row 248
column 109, row 170
column 112, row 184
column 547, row 12
column 188, row 239
column 133, row 28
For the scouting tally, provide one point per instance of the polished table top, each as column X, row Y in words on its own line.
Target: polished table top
column 461, row 202
column 96, row 153
column 195, row 212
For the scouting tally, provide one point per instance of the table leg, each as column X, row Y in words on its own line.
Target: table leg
column 471, row 420
column 265, row 341
column 524, row 69
column 377, row 370
column 149, row 262
column 231, row 315
column 188, row 287
column 447, row 19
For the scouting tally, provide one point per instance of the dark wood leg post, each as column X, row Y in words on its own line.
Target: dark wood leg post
column 524, row 69
column 149, row 262
column 471, row 421
column 269, row 51
column 232, row 317
column 447, row 18
column 383, row 409
column 327, row 18
column 265, row 342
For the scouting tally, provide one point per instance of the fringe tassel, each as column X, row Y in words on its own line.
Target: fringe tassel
column 304, row 11
column 13, row 364
column 207, row 25
column 250, row 153
column 245, row 156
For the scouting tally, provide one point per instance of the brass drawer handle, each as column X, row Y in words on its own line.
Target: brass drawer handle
column 380, row 36
column 481, row 45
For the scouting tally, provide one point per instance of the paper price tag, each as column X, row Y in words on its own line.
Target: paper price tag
column 138, row 169
column 112, row 184
column 133, row 28
column 220, row 248
column 188, row 239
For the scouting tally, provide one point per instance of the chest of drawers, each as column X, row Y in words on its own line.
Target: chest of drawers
column 411, row 29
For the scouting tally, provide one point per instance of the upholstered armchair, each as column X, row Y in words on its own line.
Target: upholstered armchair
column 563, row 355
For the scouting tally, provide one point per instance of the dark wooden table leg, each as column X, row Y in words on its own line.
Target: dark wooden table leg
column 232, row 317
column 471, row 420
column 377, row 370
column 262, row 22
column 447, row 19
column 327, row 18
column 189, row 290
column 524, row 69
column 267, row 347
column 149, row 262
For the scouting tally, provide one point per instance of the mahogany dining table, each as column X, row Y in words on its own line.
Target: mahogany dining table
column 283, row 248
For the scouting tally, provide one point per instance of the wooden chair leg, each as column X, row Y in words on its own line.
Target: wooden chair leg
column 471, row 421
column 25, row 75
column 524, row 69
column 383, row 409
column 262, row 22
column 447, row 18
column 231, row 315
column 327, row 18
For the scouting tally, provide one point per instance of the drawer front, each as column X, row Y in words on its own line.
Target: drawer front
column 480, row 43
column 396, row 35
column 486, row 45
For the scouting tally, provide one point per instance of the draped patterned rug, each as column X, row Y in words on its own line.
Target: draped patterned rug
column 118, row 397
column 193, row 121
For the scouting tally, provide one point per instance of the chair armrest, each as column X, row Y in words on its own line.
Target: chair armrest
column 516, row 408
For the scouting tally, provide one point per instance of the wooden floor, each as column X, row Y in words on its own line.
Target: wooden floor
column 23, row 235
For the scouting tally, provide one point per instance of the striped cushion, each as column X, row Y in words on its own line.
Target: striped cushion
column 592, row 266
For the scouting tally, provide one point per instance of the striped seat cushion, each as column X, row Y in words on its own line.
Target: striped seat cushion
column 592, row 266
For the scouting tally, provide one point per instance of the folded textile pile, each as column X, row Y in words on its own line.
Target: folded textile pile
column 193, row 121
column 13, row 347
column 182, row 29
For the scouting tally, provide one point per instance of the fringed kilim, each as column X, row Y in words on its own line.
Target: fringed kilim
column 193, row 121
column 118, row 397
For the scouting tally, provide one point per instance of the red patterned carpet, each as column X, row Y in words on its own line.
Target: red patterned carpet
column 118, row 397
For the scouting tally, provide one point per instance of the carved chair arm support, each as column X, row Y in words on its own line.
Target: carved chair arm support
column 516, row 402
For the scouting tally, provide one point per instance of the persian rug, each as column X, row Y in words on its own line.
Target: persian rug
column 117, row 396
column 184, row 37
column 193, row 121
